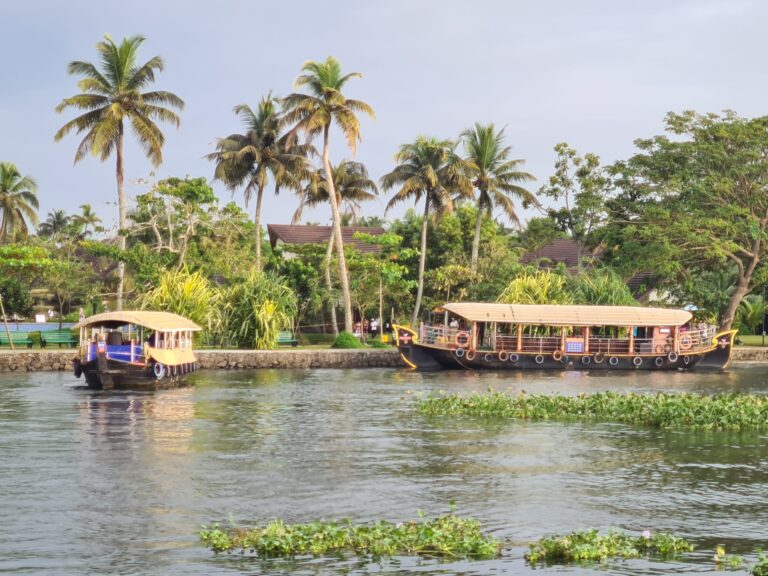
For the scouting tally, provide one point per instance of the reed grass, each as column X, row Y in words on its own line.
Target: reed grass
column 726, row 412
column 447, row 536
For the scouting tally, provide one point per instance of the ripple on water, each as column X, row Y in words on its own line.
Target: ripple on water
column 119, row 483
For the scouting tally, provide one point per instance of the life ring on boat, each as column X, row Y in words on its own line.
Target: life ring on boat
column 685, row 342
column 686, row 360
column 557, row 355
column 470, row 355
column 539, row 359
column 672, row 356
column 659, row 361
column 459, row 352
column 637, row 361
column 488, row 357
column 565, row 359
column 613, row 360
column 462, row 339
column 585, row 360
column 659, row 348
column 77, row 368
column 503, row 356
column 599, row 357
column 159, row 370
column 514, row 358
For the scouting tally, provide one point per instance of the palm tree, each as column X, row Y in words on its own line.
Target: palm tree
column 18, row 202
column 431, row 169
column 248, row 159
column 313, row 114
column 495, row 176
column 353, row 186
column 87, row 217
column 111, row 94
column 56, row 225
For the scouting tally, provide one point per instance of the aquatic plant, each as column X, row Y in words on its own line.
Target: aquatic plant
column 590, row 545
column 731, row 412
column 346, row 340
column 761, row 567
column 447, row 536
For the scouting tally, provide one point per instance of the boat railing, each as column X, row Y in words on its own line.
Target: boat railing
column 439, row 335
column 122, row 353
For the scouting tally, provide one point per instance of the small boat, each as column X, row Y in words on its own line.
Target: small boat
column 135, row 349
column 528, row 336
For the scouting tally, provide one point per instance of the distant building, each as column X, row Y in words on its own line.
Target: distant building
column 305, row 234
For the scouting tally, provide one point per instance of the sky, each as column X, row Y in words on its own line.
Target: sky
column 596, row 74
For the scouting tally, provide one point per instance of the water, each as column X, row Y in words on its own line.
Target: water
column 119, row 483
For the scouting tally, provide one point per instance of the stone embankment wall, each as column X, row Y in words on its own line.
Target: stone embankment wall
column 52, row 360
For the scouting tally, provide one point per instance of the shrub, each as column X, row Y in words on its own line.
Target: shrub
column 256, row 309
column 346, row 340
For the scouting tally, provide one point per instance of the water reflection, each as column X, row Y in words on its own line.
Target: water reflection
column 119, row 483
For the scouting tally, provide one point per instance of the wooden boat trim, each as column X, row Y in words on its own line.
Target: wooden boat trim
column 568, row 315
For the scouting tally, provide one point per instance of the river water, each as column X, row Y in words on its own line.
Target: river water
column 120, row 483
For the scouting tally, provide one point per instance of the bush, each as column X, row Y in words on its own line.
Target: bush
column 346, row 340
column 16, row 298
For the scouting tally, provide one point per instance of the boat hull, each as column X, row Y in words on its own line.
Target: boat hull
column 428, row 358
column 108, row 374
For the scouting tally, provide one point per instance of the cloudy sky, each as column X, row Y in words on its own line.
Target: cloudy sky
column 597, row 74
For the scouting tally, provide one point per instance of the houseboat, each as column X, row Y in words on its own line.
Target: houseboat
column 135, row 349
column 526, row 336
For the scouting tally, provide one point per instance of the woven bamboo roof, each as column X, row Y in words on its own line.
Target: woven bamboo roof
column 160, row 321
column 562, row 315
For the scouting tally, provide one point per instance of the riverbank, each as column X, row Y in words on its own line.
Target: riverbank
column 61, row 359
column 53, row 360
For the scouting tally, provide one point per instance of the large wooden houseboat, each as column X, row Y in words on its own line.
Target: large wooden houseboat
column 520, row 336
column 135, row 349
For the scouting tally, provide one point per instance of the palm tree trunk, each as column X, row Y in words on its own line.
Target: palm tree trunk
column 422, row 261
column 122, row 209
column 329, row 285
column 337, row 234
column 257, row 221
column 476, row 239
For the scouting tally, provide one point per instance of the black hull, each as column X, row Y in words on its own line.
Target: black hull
column 104, row 374
column 429, row 358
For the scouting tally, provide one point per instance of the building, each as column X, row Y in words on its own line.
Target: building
column 280, row 234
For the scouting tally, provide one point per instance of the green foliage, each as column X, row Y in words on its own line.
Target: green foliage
column 256, row 309
column 582, row 186
column 346, row 340
column 540, row 232
column 731, row 412
column 188, row 294
column 18, row 203
column 592, row 546
column 23, row 260
column 16, row 298
column 761, row 567
column 446, row 536
column 750, row 313
column 600, row 286
column 537, row 287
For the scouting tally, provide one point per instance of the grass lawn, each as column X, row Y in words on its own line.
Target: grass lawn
column 751, row 340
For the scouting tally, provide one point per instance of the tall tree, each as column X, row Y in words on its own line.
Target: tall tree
column 353, row 185
column 56, row 226
column 696, row 202
column 428, row 168
column 86, row 218
column 111, row 94
column 248, row 159
column 495, row 176
column 18, row 202
column 313, row 115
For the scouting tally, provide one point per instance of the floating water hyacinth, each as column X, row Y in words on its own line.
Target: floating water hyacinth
column 590, row 545
column 732, row 412
column 446, row 536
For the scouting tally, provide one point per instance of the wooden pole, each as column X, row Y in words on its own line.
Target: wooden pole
column 5, row 321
